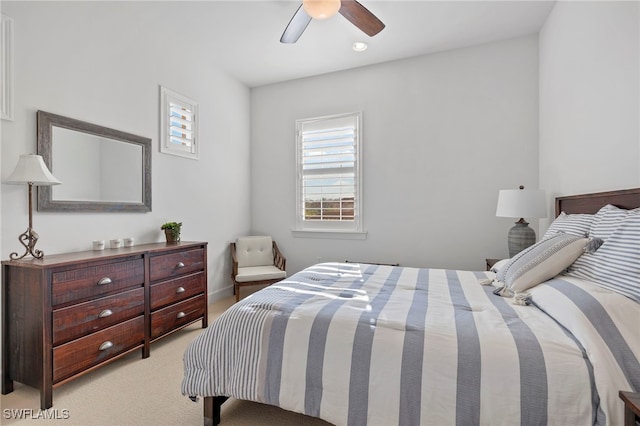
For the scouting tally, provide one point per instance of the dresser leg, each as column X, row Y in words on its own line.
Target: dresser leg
column 7, row 384
column 629, row 417
column 205, row 320
column 46, row 398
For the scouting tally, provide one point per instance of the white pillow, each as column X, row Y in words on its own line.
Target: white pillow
column 574, row 224
column 499, row 265
column 616, row 264
column 540, row 262
column 254, row 251
column 607, row 220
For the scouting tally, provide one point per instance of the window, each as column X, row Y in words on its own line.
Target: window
column 179, row 125
column 329, row 170
column 6, row 67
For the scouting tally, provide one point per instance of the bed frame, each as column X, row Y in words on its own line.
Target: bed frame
column 585, row 203
column 591, row 203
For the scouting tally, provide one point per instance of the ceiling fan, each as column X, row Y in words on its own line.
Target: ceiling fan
column 355, row 13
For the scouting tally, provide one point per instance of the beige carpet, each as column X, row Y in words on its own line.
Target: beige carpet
column 136, row 391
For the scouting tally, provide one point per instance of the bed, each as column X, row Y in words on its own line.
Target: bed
column 362, row 344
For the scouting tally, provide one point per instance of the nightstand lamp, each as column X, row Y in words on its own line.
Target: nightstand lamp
column 30, row 170
column 530, row 203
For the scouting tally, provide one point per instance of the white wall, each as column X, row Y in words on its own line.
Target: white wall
column 590, row 98
column 103, row 62
column 442, row 134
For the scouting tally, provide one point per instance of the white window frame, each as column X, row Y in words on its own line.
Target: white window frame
column 330, row 228
column 168, row 97
column 6, row 65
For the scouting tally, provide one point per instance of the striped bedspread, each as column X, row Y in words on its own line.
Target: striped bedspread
column 359, row 344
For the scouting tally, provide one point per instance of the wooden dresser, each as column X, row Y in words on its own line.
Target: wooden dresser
column 67, row 314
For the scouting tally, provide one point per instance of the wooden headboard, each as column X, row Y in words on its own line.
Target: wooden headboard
column 591, row 203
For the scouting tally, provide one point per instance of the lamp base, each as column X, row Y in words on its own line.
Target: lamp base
column 520, row 237
column 31, row 238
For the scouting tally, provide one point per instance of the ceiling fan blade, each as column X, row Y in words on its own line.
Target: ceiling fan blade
column 360, row 16
column 296, row 26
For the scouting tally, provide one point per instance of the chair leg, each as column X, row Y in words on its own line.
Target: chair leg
column 236, row 289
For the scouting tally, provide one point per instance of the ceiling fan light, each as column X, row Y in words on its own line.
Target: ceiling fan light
column 321, row 9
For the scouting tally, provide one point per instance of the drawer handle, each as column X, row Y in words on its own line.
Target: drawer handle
column 180, row 265
column 181, row 315
column 106, row 345
column 105, row 280
column 105, row 313
column 180, row 290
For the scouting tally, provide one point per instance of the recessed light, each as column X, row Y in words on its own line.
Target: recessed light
column 359, row 46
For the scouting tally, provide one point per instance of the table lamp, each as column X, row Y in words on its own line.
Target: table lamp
column 30, row 170
column 521, row 203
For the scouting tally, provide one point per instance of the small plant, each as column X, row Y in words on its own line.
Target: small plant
column 172, row 231
column 172, row 225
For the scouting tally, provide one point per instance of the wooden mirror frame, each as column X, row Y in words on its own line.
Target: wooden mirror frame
column 45, row 123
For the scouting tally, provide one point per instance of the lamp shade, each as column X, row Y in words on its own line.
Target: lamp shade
column 321, row 9
column 522, row 203
column 31, row 169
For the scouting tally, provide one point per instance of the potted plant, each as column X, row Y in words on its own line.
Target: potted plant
column 172, row 231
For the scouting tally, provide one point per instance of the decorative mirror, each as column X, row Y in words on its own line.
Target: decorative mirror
column 101, row 169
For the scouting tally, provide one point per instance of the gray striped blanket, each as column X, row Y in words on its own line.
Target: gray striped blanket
column 376, row 345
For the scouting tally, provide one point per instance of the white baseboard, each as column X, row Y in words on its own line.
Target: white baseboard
column 220, row 294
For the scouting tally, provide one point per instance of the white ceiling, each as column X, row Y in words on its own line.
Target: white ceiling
column 245, row 35
column 242, row 37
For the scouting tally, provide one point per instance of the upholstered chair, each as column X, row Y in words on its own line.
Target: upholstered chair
column 256, row 260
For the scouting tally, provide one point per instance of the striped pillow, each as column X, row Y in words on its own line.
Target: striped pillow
column 616, row 264
column 574, row 224
column 605, row 222
column 607, row 219
column 540, row 262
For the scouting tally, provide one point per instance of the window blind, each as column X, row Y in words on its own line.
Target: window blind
column 329, row 175
column 181, row 120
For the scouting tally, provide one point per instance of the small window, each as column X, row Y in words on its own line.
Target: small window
column 329, row 174
column 6, row 67
column 179, row 125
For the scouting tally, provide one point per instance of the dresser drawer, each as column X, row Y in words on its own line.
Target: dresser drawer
column 80, row 354
column 168, row 292
column 84, row 318
column 175, row 316
column 174, row 264
column 82, row 283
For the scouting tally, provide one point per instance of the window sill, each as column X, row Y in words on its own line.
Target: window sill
column 329, row 233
